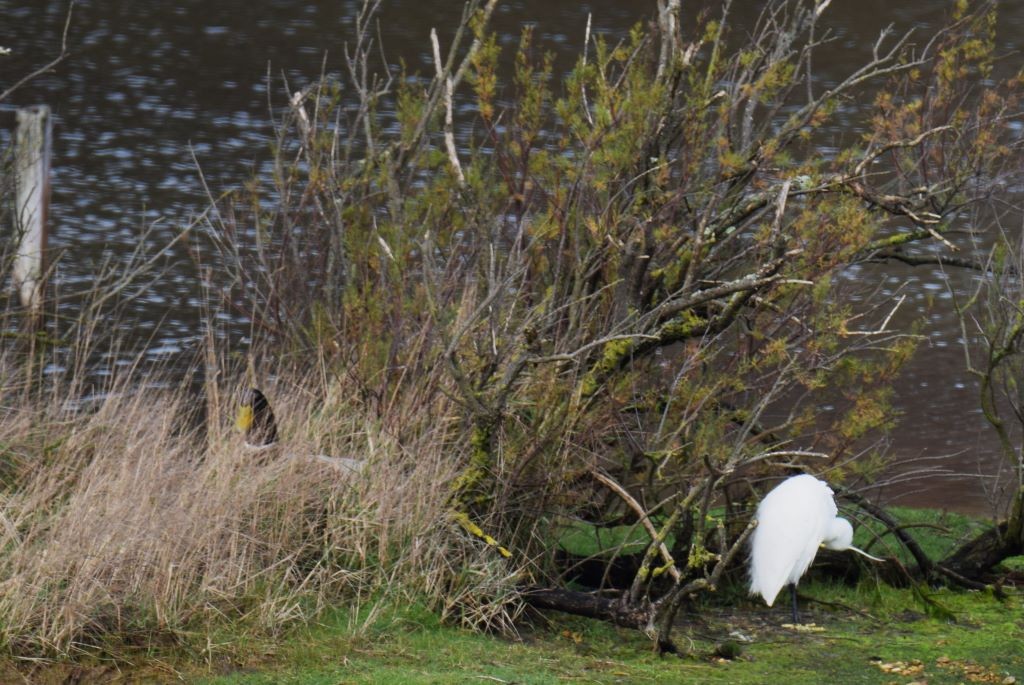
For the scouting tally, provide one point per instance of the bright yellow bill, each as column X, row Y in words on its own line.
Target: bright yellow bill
column 243, row 422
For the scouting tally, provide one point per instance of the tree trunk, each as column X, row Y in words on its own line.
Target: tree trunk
column 980, row 555
column 589, row 605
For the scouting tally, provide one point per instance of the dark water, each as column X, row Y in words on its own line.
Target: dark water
column 154, row 91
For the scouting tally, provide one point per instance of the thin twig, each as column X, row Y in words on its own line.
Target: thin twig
column 666, row 555
column 52, row 63
column 449, row 135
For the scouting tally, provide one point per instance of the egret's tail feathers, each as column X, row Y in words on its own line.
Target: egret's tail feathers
column 766, row 580
column 865, row 554
column 768, row 595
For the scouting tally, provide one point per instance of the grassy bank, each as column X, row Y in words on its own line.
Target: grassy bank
column 380, row 630
column 868, row 634
column 887, row 639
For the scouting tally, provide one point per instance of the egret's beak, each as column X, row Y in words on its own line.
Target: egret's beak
column 243, row 422
column 865, row 554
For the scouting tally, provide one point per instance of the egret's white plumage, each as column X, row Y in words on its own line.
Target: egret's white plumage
column 793, row 521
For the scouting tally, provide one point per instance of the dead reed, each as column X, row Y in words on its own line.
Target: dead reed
column 124, row 523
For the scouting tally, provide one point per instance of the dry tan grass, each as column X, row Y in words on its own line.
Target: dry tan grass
column 123, row 526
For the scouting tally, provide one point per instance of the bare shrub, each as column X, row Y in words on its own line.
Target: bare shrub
column 630, row 286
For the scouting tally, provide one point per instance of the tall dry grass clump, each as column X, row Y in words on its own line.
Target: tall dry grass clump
column 124, row 523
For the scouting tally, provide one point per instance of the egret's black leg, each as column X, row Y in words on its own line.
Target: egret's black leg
column 792, row 593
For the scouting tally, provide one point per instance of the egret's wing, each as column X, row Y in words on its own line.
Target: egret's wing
column 791, row 523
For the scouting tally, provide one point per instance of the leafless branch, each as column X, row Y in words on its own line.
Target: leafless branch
column 49, row 65
column 645, row 521
column 449, row 135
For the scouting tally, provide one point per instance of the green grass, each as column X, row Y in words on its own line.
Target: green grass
column 937, row 532
column 866, row 642
column 868, row 633
column 583, row 539
column 1015, row 564
column 865, row 634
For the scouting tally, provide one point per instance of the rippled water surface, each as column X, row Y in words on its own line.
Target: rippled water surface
column 154, row 91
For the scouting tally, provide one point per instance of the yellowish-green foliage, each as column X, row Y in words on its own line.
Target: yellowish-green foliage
column 409, row 108
column 532, row 95
column 484, row 76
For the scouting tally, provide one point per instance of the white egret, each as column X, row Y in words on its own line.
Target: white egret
column 256, row 421
column 793, row 520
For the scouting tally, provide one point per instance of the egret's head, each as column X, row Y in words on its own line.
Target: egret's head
column 256, row 420
column 839, row 534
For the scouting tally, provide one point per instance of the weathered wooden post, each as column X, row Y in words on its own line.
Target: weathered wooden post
column 32, row 182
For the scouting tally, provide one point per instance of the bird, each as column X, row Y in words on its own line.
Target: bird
column 256, row 421
column 793, row 520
